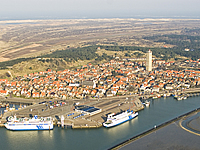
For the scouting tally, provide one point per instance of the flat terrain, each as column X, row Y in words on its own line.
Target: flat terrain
column 25, row 38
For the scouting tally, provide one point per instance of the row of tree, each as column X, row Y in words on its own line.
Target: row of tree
column 84, row 53
column 180, row 42
column 5, row 64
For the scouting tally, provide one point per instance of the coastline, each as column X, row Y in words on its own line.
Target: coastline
column 157, row 127
column 155, row 114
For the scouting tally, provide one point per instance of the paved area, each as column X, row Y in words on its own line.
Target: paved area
column 107, row 105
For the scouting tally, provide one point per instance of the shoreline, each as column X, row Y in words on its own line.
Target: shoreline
column 155, row 128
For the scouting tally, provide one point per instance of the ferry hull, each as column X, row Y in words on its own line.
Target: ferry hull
column 22, row 127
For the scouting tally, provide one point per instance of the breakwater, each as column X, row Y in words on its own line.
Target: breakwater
column 156, row 127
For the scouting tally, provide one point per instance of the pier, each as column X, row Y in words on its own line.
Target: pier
column 73, row 118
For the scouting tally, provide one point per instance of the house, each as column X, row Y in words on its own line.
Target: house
column 36, row 95
column 3, row 92
column 155, row 88
column 3, row 81
column 160, row 62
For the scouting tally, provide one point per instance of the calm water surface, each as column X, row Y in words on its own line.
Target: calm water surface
column 160, row 110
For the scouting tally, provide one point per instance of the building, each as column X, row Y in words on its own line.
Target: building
column 160, row 62
column 89, row 83
column 149, row 61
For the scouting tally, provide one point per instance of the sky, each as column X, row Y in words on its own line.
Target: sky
column 41, row 9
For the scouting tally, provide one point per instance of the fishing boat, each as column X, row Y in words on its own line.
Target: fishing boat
column 116, row 119
column 34, row 123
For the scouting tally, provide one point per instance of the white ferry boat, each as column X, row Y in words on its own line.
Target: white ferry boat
column 35, row 123
column 116, row 119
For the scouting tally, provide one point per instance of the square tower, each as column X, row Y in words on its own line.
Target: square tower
column 149, row 61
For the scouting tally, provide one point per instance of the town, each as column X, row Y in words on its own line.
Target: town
column 84, row 96
column 114, row 78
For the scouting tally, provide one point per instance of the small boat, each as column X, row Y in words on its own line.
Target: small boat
column 184, row 97
column 179, row 98
column 155, row 97
column 147, row 103
column 34, row 123
column 116, row 119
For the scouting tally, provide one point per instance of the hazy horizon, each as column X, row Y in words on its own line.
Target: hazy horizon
column 68, row 9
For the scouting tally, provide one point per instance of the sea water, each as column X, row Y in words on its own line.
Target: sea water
column 159, row 111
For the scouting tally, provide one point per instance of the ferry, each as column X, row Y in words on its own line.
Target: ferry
column 34, row 123
column 116, row 119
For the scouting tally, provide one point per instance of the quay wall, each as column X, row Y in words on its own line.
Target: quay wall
column 89, row 126
column 151, row 130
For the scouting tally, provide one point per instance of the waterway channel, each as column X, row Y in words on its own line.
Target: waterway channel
column 160, row 111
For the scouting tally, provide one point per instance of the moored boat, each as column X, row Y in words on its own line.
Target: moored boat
column 116, row 119
column 35, row 123
column 179, row 98
column 155, row 97
column 147, row 103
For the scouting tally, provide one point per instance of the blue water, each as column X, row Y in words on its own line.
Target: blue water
column 160, row 111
